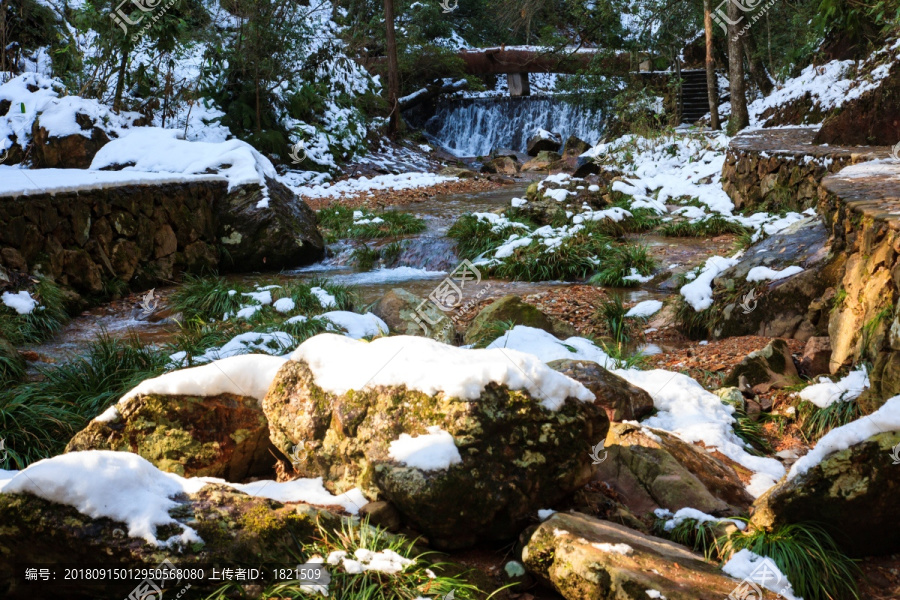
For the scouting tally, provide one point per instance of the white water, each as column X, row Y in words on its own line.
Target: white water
column 475, row 127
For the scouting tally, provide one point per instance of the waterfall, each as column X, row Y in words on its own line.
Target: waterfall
column 476, row 126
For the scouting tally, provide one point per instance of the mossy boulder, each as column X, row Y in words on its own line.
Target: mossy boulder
column 516, row 456
column 223, row 436
column 771, row 367
column 504, row 165
column 621, row 400
column 542, row 161
column 852, row 493
column 398, row 309
column 583, row 557
column 654, row 469
column 543, row 141
column 508, row 309
column 237, row 530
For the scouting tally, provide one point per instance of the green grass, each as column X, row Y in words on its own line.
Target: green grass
column 815, row 422
column 700, row 537
column 410, row 583
column 751, row 432
column 39, row 418
column 709, row 226
column 575, row 258
column 337, row 223
column 475, row 236
column 618, row 264
column 612, row 314
column 808, row 557
column 492, row 331
column 365, row 257
column 12, row 365
column 42, row 322
column 207, row 297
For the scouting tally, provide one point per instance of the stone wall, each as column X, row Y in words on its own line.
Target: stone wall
column 780, row 169
column 861, row 207
column 136, row 234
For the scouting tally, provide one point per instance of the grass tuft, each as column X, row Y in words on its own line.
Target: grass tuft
column 621, row 262
column 42, row 322
column 815, row 422
column 808, row 557
column 337, row 223
column 709, row 226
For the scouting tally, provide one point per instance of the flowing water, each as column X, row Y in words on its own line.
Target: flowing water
column 475, row 126
column 426, row 260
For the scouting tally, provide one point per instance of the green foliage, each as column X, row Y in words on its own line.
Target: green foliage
column 808, row 557
column 750, row 430
column 45, row 320
column 698, row 536
column 414, row 581
column 574, row 258
column 365, row 257
column 709, row 226
column 337, row 223
column 40, row 417
column 492, row 331
column 622, row 262
column 815, row 422
column 612, row 314
column 476, row 236
column 207, row 297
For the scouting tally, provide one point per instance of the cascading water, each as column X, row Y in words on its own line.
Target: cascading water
column 476, row 126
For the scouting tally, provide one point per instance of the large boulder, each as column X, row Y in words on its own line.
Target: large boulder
column 74, row 151
column 621, row 400
column 235, row 529
column 654, row 469
column 508, row 309
column 399, row 310
column 852, row 493
column 582, row 558
column 542, row 161
column 574, row 147
column 267, row 228
column 503, row 165
column 762, row 370
column 224, row 436
column 792, row 307
column 543, row 141
column 351, row 407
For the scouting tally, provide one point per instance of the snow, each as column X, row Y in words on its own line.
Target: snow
column 698, row 293
column 765, row 273
column 623, row 549
column 518, row 202
column 118, row 485
column 277, row 342
column 429, row 452
column 362, row 185
column 247, row 375
column 157, row 150
column 383, row 561
column 545, row 513
column 827, row 392
column 751, row 567
column 21, row 302
column 655, row 594
column 431, row 367
column 696, row 415
column 635, row 276
column 310, row 491
column 325, row 299
column 284, row 305
column 548, row 348
column 357, row 326
column 683, row 514
column 28, row 182
column 129, row 489
column 885, row 419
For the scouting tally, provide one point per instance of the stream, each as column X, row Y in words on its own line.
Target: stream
column 426, row 260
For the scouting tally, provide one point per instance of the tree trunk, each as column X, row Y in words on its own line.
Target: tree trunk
column 758, row 71
column 120, row 82
column 393, row 69
column 712, row 84
column 739, row 116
